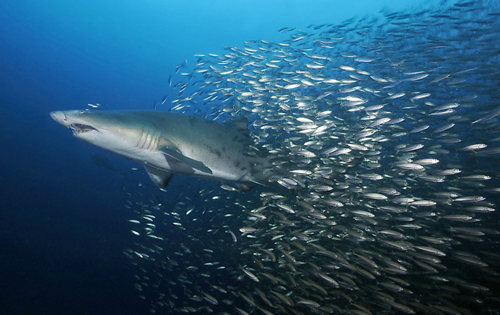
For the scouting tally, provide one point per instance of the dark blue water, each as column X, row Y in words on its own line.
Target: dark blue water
column 62, row 221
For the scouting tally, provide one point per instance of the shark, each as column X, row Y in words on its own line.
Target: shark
column 169, row 143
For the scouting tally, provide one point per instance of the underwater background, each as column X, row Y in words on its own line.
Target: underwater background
column 65, row 236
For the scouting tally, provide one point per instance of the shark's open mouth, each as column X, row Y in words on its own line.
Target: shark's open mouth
column 80, row 128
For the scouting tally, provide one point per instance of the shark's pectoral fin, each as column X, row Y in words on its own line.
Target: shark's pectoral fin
column 159, row 177
column 177, row 155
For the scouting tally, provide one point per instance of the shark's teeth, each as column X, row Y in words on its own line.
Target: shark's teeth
column 80, row 128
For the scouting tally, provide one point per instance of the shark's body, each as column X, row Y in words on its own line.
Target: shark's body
column 170, row 143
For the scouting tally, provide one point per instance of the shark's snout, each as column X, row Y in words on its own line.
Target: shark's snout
column 71, row 121
column 59, row 116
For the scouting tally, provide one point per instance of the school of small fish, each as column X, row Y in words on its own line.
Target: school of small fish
column 384, row 135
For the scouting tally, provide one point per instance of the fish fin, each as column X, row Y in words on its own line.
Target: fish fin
column 263, row 176
column 240, row 124
column 160, row 177
column 177, row 155
column 244, row 187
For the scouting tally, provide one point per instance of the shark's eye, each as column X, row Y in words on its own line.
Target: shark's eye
column 80, row 128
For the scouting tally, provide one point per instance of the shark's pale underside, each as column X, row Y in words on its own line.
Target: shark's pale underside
column 171, row 143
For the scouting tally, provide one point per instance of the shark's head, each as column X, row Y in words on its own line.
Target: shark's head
column 112, row 131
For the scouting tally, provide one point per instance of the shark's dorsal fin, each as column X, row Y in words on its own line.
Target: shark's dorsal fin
column 177, row 155
column 159, row 177
column 240, row 124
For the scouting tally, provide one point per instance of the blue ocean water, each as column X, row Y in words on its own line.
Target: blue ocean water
column 62, row 221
